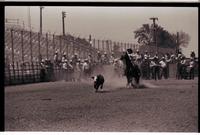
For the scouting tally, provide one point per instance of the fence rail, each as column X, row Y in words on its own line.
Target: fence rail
column 30, row 72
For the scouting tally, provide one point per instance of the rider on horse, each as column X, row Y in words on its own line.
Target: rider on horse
column 132, row 70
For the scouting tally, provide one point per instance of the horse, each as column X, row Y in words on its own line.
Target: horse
column 131, row 70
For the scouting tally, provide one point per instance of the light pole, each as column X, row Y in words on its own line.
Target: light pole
column 63, row 21
column 154, row 29
column 41, row 7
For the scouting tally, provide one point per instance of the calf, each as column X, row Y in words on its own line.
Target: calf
column 98, row 82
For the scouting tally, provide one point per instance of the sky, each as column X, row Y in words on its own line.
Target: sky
column 113, row 23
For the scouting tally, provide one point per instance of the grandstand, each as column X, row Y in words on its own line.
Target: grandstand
column 30, row 45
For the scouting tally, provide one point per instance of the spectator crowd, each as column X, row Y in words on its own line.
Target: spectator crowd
column 154, row 67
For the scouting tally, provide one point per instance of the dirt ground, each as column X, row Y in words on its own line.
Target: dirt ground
column 165, row 106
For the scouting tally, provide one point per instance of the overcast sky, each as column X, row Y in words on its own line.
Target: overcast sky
column 114, row 23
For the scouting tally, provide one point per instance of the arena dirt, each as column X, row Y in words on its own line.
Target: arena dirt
column 166, row 106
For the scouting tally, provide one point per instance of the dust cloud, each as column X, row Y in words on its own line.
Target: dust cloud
column 113, row 81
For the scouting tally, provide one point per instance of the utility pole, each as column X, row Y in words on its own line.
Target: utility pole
column 29, row 18
column 177, row 43
column 23, row 25
column 154, row 31
column 41, row 7
column 63, row 21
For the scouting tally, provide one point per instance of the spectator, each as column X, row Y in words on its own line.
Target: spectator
column 42, row 71
column 191, row 67
column 163, row 65
column 183, row 67
column 192, row 55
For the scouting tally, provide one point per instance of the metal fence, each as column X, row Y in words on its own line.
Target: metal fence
column 31, row 72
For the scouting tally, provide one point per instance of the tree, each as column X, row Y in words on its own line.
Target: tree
column 144, row 35
column 183, row 39
column 165, row 39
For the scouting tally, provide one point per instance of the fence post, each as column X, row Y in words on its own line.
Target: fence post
column 28, row 76
column 60, row 46
column 79, row 50
column 13, row 66
column 120, row 46
column 111, row 46
column 47, row 46
column 22, row 70
column 22, row 46
column 31, row 47
column 33, row 71
column 94, row 45
column 12, row 47
column 18, row 76
column 66, row 46
column 54, row 46
column 123, row 47
column 9, row 75
column 98, row 44
column 103, row 45
column 38, row 71
column 107, row 46
column 39, row 52
column 73, row 49
column 85, row 52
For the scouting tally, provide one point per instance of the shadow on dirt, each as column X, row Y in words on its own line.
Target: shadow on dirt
column 103, row 91
column 46, row 99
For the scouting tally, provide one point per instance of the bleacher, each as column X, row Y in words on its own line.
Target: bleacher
column 48, row 45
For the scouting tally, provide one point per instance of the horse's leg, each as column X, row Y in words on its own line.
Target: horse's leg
column 128, row 81
column 137, row 79
column 132, row 83
column 101, row 86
